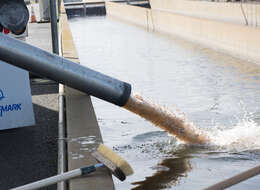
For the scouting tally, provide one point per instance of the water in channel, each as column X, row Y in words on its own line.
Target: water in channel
column 217, row 92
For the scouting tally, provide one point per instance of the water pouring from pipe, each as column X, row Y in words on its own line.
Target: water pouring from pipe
column 166, row 120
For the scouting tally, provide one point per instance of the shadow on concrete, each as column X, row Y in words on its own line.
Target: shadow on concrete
column 40, row 89
column 29, row 154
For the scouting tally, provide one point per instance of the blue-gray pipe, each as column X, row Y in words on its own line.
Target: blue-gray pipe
column 64, row 71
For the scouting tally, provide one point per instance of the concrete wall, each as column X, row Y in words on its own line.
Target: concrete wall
column 136, row 15
column 238, row 40
column 222, row 11
column 129, row 13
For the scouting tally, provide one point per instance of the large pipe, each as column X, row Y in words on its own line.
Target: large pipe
column 63, row 71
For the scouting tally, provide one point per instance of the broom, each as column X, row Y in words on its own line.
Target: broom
column 107, row 158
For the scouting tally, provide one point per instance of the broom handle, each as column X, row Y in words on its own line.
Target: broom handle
column 62, row 177
column 235, row 179
column 50, row 180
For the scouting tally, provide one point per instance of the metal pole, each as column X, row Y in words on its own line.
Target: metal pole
column 62, row 144
column 63, row 71
column 54, row 27
column 84, row 9
column 62, row 158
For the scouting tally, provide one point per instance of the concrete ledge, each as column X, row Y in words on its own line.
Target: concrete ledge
column 83, row 138
column 238, row 40
column 83, row 133
column 67, row 45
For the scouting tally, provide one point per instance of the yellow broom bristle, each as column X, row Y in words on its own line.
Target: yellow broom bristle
column 116, row 159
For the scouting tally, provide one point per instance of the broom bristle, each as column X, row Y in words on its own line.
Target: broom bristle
column 116, row 159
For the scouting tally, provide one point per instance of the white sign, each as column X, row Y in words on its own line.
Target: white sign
column 16, row 108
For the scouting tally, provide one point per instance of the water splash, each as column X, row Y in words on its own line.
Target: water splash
column 243, row 136
column 76, row 156
column 83, row 145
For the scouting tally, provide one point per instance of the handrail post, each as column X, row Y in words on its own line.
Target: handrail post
column 54, row 27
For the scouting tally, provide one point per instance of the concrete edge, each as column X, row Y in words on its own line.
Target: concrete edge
column 83, row 133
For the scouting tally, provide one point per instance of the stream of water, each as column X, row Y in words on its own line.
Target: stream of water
column 216, row 92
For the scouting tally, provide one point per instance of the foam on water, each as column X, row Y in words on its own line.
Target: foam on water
column 243, row 136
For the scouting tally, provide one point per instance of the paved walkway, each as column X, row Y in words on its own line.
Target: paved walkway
column 29, row 154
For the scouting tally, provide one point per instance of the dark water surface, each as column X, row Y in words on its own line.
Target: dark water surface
column 217, row 92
